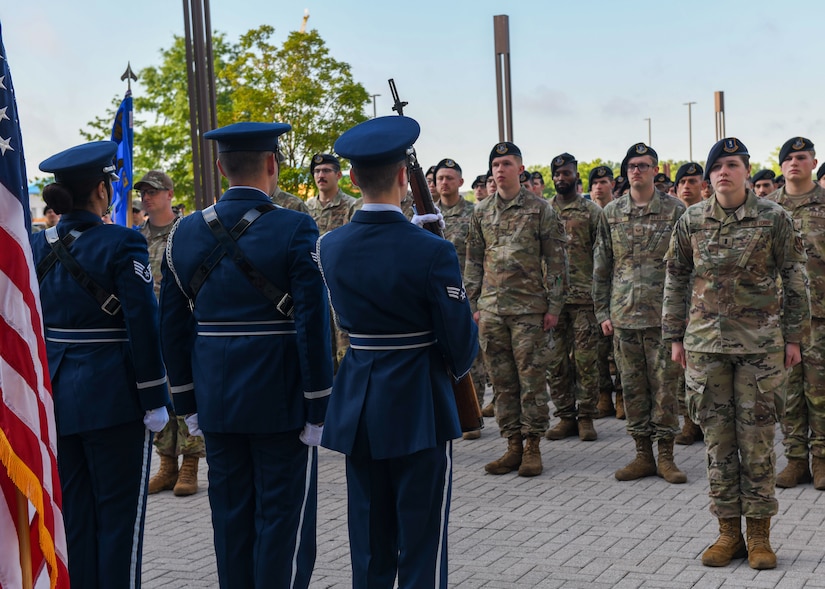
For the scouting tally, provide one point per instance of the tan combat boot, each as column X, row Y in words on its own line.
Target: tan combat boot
column 818, row 465
column 690, row 433
column 620, row 405
column 642, row 466
column 587, row 433
column 511, row 459
column 565, row 428
column 166, row 476
column 794, row 474
column 667, row 468
column 489, row 410
column 604, row 406
column 188, row 477
column 729, row 545
column 760, row 554
column 471, row 435
column 531, row 461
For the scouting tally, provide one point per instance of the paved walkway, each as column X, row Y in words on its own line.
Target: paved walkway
column 574, row 526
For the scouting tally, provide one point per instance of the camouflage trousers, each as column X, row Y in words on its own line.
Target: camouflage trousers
column 479, row 375
column 803, row 425
column 516, row 351
column 649, row 382
column 681, row 392
column 174, row 439
column 573, row 371
column 603, row 349
column 734, row 398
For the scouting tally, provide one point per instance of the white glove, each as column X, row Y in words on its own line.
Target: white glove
column 193, row 425
column 436, row 217
column 156, row 419
column 311, row 434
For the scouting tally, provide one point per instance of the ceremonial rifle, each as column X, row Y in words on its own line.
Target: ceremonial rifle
column 469, row 413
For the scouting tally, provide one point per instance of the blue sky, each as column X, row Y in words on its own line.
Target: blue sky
column 585, row 74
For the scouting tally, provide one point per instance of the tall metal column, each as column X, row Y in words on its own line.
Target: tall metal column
column 504, row 94
column 719, row 102
column 202, row 110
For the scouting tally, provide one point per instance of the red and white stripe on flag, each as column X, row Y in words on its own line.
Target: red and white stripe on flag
column 28, row 438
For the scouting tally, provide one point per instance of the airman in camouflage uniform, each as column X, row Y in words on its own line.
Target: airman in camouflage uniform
column 514, row 275
column 805, row 403
column 736, row 332
column 457, row 213
column 628, row 281
column 577, row 334
column 288, row 201
column 156, row 192
column 406, row 206
column 330, row 209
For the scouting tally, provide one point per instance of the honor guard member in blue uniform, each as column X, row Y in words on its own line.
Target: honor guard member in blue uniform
column 245, row 331
column 107, row 374
column 397, row 290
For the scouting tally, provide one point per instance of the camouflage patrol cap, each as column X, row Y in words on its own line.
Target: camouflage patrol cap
column 562, row 160
column 637, row 150
column 764, row 175
column 324, row 158
column 447, row 163
column 502, row 149
column 795, row 144
column 820, row 172
column 688, row 169
column 154, row 179
column 722, row 148
column 599, row 172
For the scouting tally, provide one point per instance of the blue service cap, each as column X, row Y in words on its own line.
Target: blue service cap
column 688, row 169
column 89, row 160
column 248, row 136
column 378, row 141
column 722, row 148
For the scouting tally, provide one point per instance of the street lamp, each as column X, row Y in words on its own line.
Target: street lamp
column 649, row 138
column 374, row 111
column 690, row 129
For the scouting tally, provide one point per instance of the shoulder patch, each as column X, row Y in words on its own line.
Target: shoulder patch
column 144, row 272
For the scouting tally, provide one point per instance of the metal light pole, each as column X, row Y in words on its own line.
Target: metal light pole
column 504, row 95
column 690, row 129
column 649, row 136
column 374, row 111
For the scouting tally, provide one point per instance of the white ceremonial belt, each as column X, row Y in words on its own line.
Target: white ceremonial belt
column 392, row 341
column 238, row 328
column 104, row 335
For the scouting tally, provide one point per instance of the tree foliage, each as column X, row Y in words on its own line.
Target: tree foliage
column 299, row 83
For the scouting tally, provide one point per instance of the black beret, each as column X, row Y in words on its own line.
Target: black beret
column 447, row 163
column 502, row 149
column 794, row 144
column 661, row 178
column 688, row 169
column 430, row 170
column 324, row 158
column 764, row 175
column 524, row 177
column 562, row 160
column 636, row 150
column 820, row 172
column 722, row 148
column 537, row 176
column 479, row 181
column 599, row 172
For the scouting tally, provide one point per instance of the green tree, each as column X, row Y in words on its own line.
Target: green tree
column 298, row 83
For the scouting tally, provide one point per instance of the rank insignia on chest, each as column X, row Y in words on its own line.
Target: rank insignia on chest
column 725, row 241
column 456, row 292
column 142, row 271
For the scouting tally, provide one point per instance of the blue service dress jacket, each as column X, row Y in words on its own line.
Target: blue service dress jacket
column 238, row 362
column 397, row 290
column 106, row 370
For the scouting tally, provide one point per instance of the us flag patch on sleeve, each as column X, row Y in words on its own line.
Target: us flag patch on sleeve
column 456, row 292
column 142, row 271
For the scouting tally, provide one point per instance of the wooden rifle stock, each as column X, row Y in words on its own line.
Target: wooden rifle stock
column 466, row 401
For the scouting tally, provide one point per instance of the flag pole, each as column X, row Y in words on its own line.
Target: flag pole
column 24, row 539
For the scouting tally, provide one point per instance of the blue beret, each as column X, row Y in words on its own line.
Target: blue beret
column 638, row 150
column 599, row 172
column 447, row 163
column 562, row 160
column 378, row 141
column 794, row 144
column 764, row 175
column 324, row 158
column 89, row 160
column 820, row 172
column 248, row 136
column 688, row 169
column 502, row 149
column 722, row 148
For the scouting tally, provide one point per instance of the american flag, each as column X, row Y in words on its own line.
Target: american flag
column 28, row 439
